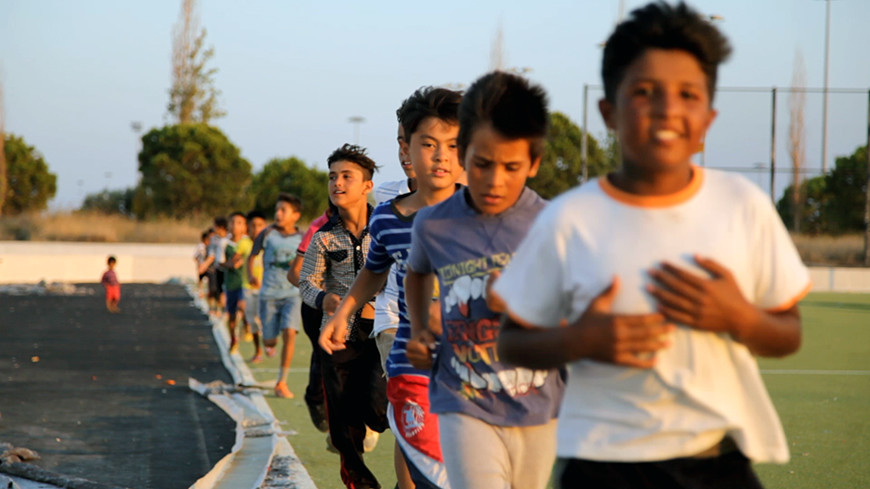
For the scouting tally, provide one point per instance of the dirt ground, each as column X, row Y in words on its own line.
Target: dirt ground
column 103, row 396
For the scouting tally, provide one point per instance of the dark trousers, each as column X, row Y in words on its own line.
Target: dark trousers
column 728, row 471
column 311, row 318
column 356, row 397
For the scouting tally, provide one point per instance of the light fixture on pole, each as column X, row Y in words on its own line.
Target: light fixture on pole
column 356, row 121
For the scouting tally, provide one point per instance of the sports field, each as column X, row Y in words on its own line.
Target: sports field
column 822, row 394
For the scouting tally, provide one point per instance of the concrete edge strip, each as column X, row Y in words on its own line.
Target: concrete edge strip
column 260, row 450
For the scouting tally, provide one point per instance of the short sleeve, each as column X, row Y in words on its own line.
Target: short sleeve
column 782, row 278
column 377, row 259
column 418, row 258
column 257, row 247
column 533, row 285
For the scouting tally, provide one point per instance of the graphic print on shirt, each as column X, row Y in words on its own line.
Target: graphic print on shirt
column 473, row 332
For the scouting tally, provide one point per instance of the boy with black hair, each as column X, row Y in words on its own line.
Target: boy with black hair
column 215, row 256
column 279, row 299
column 234, row 276
column 352, row 379
column 112, row 285
column 430, row 118
column 658, row 282
column 496, row 421
column 251, row 291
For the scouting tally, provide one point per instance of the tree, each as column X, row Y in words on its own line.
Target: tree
column 811, row 207
column 796, row 147
column 562, row 164
column 833, row 203
column 110, row 202
column 193, row 96
column 29, row 183
column 847, row 187
column 293, row 176
column 189, row 170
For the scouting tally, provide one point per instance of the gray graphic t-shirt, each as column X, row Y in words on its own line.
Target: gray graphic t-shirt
column 279, row 250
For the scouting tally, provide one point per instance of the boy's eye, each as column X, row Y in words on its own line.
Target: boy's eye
column 642, row 91
column 689, row 95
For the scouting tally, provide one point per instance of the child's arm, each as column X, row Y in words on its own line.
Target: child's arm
column 418, row 299
column 295, row 269
column 717, row 305
column 628, row 340
column 364, row 287
column 312, row 279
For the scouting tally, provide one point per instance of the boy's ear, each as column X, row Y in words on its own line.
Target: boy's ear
column 368, row 185
column 533, row 170
column 606, row 108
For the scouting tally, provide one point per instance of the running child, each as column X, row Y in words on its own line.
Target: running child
column 430, row 117
column 234, row 275
column 112, row 286
column 251, row 293
column 496, row 420
column 658, row 283
column 279, row 299
column 352, row 379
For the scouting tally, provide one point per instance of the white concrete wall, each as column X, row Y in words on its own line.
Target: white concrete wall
column 27, row 262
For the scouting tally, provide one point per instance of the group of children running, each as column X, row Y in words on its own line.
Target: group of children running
column 605, row 339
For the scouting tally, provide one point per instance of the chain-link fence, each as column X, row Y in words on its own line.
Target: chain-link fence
column 756, row 132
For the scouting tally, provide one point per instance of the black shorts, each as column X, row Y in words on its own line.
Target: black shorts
column 728, row 471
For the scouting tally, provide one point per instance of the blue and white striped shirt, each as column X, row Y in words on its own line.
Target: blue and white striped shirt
column 391, row 240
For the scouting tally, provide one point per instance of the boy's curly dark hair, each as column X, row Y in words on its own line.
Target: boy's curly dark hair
column 354, row 154
column 663, row 26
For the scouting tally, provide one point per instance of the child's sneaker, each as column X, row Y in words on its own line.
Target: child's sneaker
column 257, row 358
column 371, row 440
column 282, row 391
column 270, row 351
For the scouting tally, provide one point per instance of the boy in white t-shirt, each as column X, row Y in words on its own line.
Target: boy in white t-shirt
column 658, row 283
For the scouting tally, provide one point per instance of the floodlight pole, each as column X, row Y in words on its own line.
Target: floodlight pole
column 584, row 146
column 356, row 121
column 772, row 143
column 825, row 93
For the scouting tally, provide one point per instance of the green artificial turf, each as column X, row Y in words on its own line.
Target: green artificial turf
column 822, row 394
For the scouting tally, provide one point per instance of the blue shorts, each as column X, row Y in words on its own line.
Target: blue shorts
column 233, row 299
column 276, row 315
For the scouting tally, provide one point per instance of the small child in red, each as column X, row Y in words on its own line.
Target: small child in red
column 113, row 287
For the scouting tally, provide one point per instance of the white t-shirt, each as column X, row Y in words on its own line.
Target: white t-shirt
column 387, row 302
column 705, row 385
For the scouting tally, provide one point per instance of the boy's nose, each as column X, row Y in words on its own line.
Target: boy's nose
column 666, row 103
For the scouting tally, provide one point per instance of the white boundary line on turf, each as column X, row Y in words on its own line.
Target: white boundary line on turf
column 814, row 372
column 228, row 472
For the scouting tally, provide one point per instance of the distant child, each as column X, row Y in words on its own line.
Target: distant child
column 658, row 283
column 352, row 379
column 234, row 275
column 430, row 118
column 112, row 286
column 251, row 285
column 215, row 257
column 496, row 420
column 279, row 299
column 199, row 255
column 312, row 318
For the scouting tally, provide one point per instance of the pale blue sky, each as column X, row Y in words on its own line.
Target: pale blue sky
column 76, row 74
